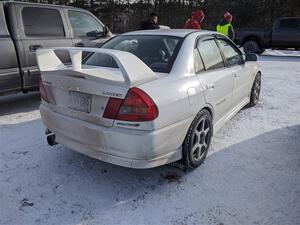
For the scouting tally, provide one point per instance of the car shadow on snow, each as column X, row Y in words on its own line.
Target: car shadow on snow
column 71, row 187
column 19, row 103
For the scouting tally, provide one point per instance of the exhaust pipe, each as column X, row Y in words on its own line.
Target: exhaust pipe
column 51, row 139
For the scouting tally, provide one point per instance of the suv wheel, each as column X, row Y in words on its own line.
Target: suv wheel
column 252, row 46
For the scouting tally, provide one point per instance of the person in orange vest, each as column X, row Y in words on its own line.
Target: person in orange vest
column 195, row 21
column 225, row 27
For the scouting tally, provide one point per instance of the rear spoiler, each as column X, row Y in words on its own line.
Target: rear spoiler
column 134, row 70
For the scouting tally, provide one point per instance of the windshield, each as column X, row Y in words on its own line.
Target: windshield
column 157, row 52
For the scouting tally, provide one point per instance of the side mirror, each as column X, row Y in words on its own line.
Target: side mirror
column 93, row 34
column 251, row 57
column 98, row 34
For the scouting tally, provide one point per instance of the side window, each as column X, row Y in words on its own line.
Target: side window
column 289, row 24
column 210, row 54
column 232, row 55
column 198, row 64
column 42, row 22
column 3, row 29
column 84, row 25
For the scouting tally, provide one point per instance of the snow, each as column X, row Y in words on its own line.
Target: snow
column 251, row 175
column 281, row 53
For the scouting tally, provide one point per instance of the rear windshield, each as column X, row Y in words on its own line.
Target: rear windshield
column 158, row 52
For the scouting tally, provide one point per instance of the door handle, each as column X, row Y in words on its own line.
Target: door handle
column 210, row 86
column 79, row 44
column 33, row 48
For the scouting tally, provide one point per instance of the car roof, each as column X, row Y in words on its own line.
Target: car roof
column 169, row 32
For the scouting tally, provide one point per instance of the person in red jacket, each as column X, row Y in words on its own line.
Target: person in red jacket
column 195, row 21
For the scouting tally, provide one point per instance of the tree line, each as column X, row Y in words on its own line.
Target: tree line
column 126, row 15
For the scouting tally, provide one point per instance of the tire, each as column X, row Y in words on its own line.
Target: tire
column 255, row 91
column 197, row 140
column 252, row 46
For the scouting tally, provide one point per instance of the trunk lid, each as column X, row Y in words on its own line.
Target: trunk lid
column 82, row 91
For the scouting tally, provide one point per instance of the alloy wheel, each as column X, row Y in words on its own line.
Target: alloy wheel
column 201, row 139
column 257, row 87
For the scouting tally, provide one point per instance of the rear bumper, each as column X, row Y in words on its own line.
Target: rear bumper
column 120, row 146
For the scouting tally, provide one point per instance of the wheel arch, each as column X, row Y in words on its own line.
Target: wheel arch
column 185, row 158
column 209, row 108
column 252, row 37
column 211, row 112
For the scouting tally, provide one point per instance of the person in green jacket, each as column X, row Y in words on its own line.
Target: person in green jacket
column 225, row 27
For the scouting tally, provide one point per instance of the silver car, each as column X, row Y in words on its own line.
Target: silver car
column 146, row 98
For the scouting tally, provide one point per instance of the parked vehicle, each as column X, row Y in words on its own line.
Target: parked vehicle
column 146, row 98
column 25, row 27
column 284, row 34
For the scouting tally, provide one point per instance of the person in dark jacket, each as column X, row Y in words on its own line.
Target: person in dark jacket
column 195, row 21
column 151, row 24
column 225, row 27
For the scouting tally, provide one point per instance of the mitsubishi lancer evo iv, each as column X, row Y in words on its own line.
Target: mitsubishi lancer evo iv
column 146, row 98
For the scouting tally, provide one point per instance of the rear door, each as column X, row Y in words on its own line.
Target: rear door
column 10, row 79
column 87, row 30
column 242, row 72
column 40, row 27
column 217, row 80
column 286, row 33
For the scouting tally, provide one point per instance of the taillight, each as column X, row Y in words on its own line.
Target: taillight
column 137, row 106
column 112, row 108
column 46, row 93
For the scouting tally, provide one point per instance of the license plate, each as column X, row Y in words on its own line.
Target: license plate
column 80, row 101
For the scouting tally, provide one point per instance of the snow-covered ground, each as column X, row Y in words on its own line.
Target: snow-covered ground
column 251, row 176
column 281, row 53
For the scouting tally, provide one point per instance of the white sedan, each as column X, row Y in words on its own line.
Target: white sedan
column 146, row 98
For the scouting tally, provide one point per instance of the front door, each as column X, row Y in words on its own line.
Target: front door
column 87, row 30
column 242, row 74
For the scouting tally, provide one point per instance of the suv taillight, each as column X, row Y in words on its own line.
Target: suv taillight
column 137, row 106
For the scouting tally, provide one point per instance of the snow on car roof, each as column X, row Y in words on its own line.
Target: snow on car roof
column 171, row 32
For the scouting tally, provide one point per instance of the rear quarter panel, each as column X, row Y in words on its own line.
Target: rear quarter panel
column 178, row 102
column 176, row 99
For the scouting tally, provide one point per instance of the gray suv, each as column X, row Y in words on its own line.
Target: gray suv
column 25, row 27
